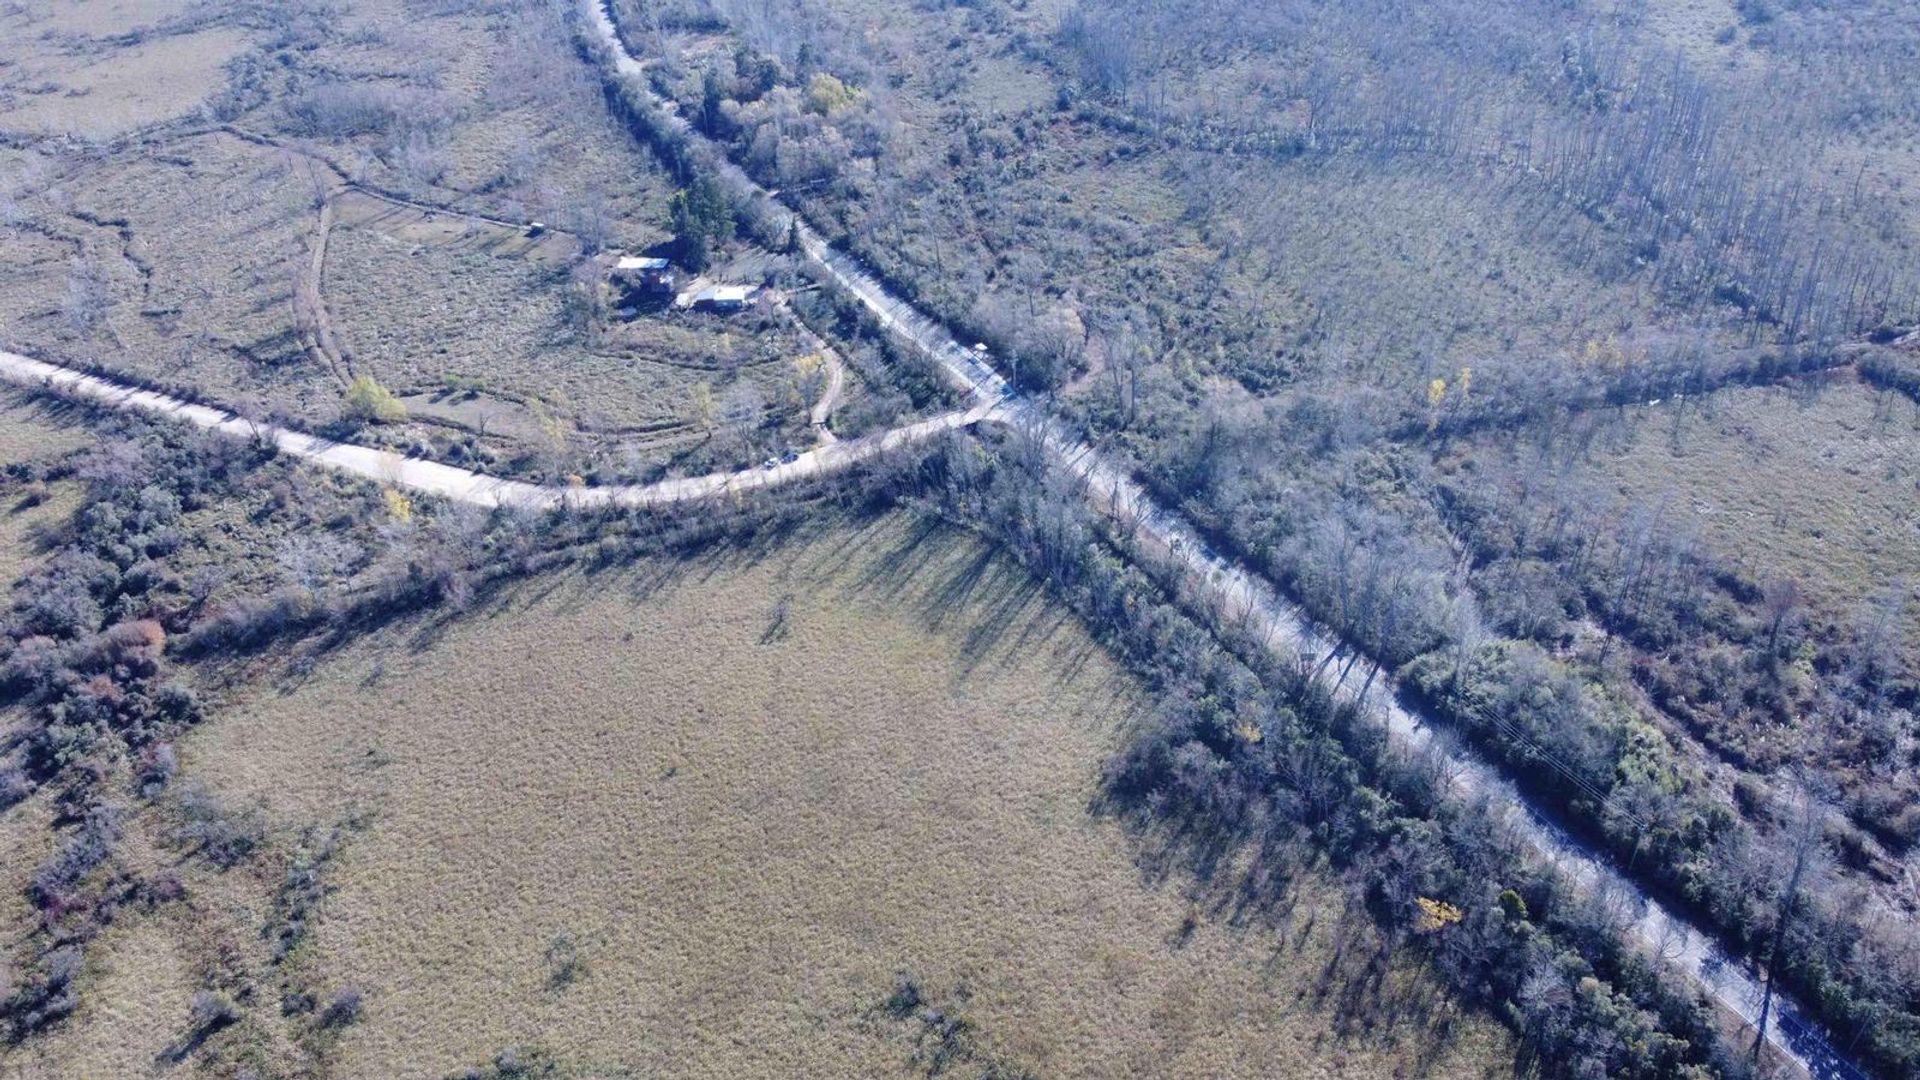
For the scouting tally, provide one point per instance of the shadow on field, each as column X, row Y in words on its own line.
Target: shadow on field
column 641, row 576
column 1254, row 884
column 959, row 583
column 52, row 411
column 953, row 582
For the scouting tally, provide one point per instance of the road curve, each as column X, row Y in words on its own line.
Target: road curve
column 1242, row 597
column 465, row 485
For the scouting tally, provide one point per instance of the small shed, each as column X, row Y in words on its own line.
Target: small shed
column 643, row 273
column 724, row 298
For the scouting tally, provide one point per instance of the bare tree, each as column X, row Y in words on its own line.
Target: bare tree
column 88, row 295
column 1805, row 865
column 1782, row 599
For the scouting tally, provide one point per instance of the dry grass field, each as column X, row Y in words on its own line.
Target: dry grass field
column 58, row 75
column 417, row 314
column 1820, row 481
column 746, row 795
column 30, row 435
column 137, row 1003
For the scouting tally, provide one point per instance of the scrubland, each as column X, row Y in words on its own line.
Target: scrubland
column 1820, row 482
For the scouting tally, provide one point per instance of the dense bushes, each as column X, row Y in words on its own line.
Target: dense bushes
column 84, row 653
column 1704, row 641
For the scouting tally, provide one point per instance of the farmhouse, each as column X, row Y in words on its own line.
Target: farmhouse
column 638, row 273
column 725, row 298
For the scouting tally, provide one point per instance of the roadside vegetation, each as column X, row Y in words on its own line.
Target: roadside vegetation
column 1560, row 366
column 1375, row 337
column 916, row 717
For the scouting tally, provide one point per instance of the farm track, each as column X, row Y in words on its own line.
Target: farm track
column 322, row 343
column 1240, row 597
column 1236, row 595
column 464, row 485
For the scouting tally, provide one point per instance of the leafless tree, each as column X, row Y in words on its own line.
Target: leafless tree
column 88, row 294
column 1781, row 598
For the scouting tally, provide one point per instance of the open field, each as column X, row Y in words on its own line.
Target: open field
column 31, row 433
column 161, row 61
column 1820, row 482
column 416, row 315
column 29, row 436
column 510, row 123
column 142, row 984
column 750, row 793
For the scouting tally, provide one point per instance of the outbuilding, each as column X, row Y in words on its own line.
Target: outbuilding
column 723, row 298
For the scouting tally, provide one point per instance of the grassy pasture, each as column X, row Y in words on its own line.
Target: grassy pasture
column 192, row 252
column 750, row 792
column 98, row 70
column 415, row 311
column 138, row 998
column 1821, row 482
column 30, row 434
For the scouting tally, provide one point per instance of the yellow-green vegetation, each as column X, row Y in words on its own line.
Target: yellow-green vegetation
column 827, row 94
column 702, row 819
column 367, row 402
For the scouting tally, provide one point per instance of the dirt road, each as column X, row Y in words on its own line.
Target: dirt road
column 1242, row 597
column 463, row 485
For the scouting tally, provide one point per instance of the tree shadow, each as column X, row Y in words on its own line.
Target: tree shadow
column 1240, row 872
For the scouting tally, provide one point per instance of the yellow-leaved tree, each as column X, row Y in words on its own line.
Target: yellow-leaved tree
column 1436, row 395
column 827, row 94
column 367, row 402
column 399, row 507
column 1436, row 915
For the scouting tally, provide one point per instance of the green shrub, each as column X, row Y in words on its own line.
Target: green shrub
column 367, row 402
